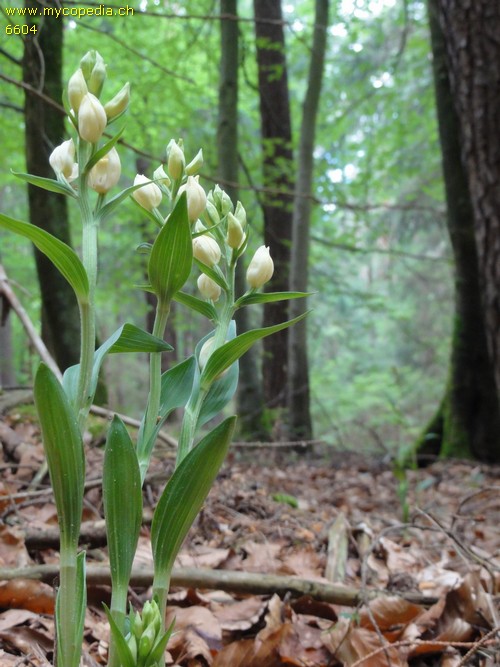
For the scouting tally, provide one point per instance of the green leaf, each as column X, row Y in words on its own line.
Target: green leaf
column 61, row 255
column 124, row 653
column 49, row 184
column 122, row 498
column 203, row 307
column 269, row 297
column 159, row 648
column 106, row 210
column 104, row 150
column 172, row 253
column 219, row 395
column 64, row 451
column 223, row 388
column 184, row 495
column 286, row 498
column 228, row 353
column 176, row 386
column 128, row 338
column 213, row 272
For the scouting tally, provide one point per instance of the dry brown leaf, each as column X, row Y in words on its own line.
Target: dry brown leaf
column 197, row 632
column 202, row 556
column 12, row 550
column 27, row 594
column 241, row 615
column 350, row 644
column 388, row 612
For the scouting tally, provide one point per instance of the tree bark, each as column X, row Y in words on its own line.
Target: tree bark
column 44, row 129
column 466, row 72
column 249, row 397
column 299, row 413
column 276, row 131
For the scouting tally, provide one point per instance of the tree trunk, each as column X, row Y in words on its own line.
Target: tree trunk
column 249, row 396
column 276, row 130
column 299, row 414
column 44, row 129
column 467, row 97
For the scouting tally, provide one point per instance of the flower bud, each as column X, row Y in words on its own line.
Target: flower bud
column 91, row 119
column 160, row 174
column 195, row 165
column 87, row 63
column 222, row 201
column 146, row 642
column 261, row 268
column 106, row 173
column 196, row 198
column 119, row 103
column 240, row 214
column 206, row 250
column 137, row 625
column 235, row 234
column 98, row 76
column 175, row 160
column 211, row 212
column 208, row 288
column 77, row 89
column 149, row 196
column 132, row 644
column 205, row 352
column 62, row 159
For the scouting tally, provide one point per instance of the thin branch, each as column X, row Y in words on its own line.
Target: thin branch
column 227, row 580
column 365, row 251
column 10, row 57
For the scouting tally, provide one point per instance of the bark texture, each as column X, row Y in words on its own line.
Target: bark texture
column 299, row 414
column 44, row 129
column 466, row 62
column 276, row 131
column 249, row 396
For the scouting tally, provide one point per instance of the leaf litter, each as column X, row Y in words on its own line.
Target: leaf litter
column 428, row 590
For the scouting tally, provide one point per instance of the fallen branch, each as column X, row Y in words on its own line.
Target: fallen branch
column 226, row 580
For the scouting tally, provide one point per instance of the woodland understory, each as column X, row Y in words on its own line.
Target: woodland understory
column 300, row 559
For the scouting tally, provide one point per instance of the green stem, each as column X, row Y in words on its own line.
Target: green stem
column 195, row 403
column 119, row 612
column 160, row 592
column 68, row 651
column 153, row 407
column 87, row 310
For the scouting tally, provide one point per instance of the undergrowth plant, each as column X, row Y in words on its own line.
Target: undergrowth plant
column 193, row 228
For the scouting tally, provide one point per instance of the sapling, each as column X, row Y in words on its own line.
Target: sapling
column 193, row 228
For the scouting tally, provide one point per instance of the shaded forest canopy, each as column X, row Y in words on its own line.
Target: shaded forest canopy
column 380, row 264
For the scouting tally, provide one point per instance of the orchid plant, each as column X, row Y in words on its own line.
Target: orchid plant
column 193, row 228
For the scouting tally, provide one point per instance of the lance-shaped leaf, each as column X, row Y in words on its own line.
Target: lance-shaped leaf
column 176, row 387
column 124, row 654
column 203, row 307
column 228, row 353
column 104, row 150
column 61, row 255
column 64, row 451
column 184, row 495
column 122, row 498
column 172, row 253
column 49, row 184
column 268, row 297
column 128, row 338
column 223, row 388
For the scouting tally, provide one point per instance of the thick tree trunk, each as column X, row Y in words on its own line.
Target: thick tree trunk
column 249, row 396
column 299, row 414
column 468, row 420
column 44, row 129
column 277, row 202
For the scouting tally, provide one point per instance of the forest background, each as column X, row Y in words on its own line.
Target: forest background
column 379, row 258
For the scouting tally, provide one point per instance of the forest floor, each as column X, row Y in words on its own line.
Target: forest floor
column 381, row 591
